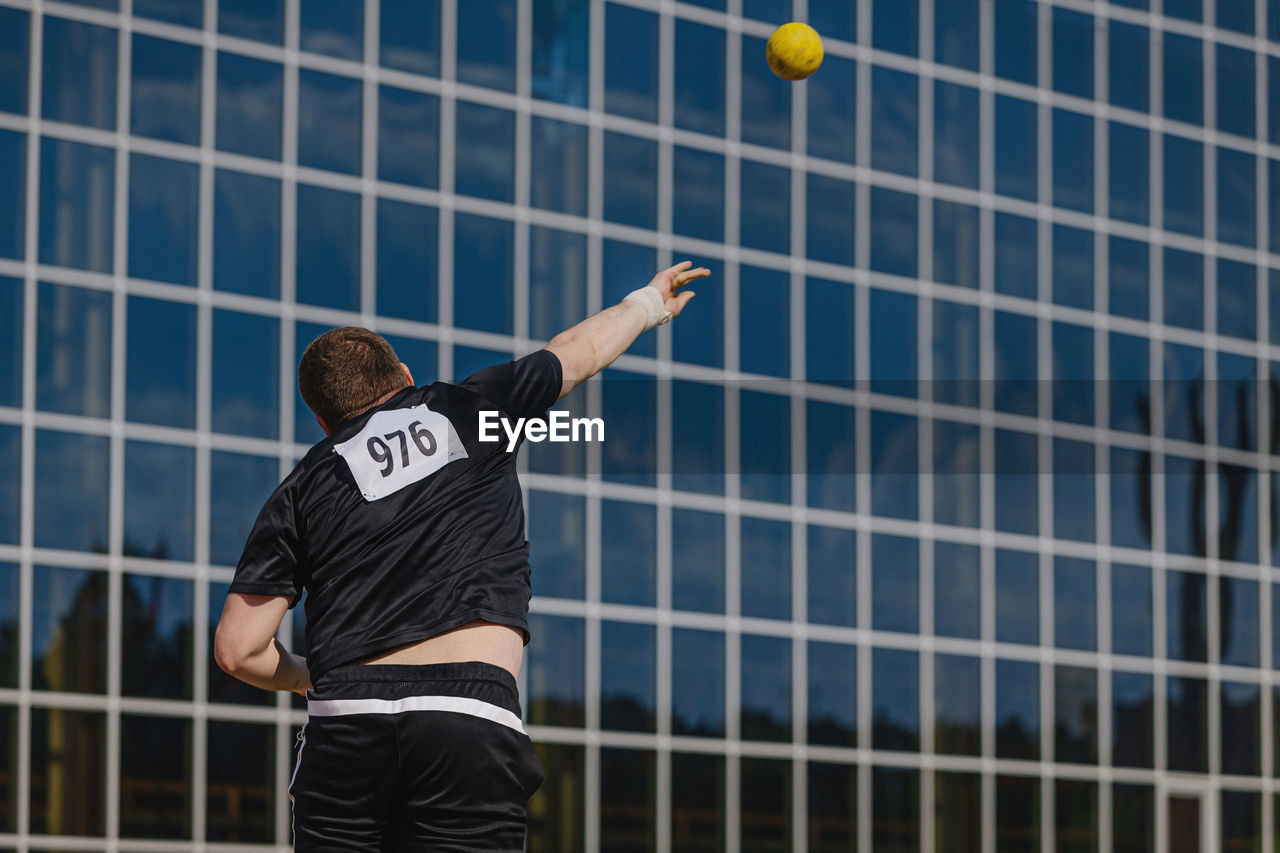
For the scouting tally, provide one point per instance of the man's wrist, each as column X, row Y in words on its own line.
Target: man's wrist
column 651, row 300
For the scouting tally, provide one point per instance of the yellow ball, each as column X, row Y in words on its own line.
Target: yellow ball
column 794, row 51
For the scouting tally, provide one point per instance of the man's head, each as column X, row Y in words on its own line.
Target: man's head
column 347, row 370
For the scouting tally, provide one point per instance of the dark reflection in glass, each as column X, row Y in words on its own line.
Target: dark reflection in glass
column 697, row 415
column 408, row 137
column 766, row 568
column 832, row 107
column 252, row 19
column 1017, row 814
column 957, row 682
column 956, row 469
column 829, row 234
column 241, row 783
column 1130, row 483
column 555, row 811
column 220, row 686
column 1186, row 616
column 697, row 557
column 1130, row 177
column 1016, row 241
column 833, row 699
column 246, row 246
column 1017, row 709
column 630, row 69
column 766, row 805
column 1017, row 597
column 895, row 699
column 829, row 328
column 895, row 583
column 9, row 627
column 894, row 27
column 239, row 483
column 246, row 352
column 329, row 122
column 1183, row 183
column 79, row 84
column 15, row 50
column 13, row 185
column 956, row 590
column 1184, row 392
column 560, row 50
column 485, row 159
column 894, row 233
column 157, row 637
column 1131, row 610
column 1072, row 267
column 560, row 183
column 74, row 518
column 160, row 363
column 1237, row 399
column 1075, row 715
column 1016, row 482
column 697, row 682
column 697, row 803
column 556, row 688
column 1073, row 388
column 159, row 503
column 627, row 796
column 629, row 406
column 766, row 99
column 765, row 446
column 1241, row 820
column 556, row 530
column 833, row 578
column 833, row 807
column 8, row 768
column 955, row 153
column 73, row 350
column 1238, row 621
column 628, row 554
column 1132, row 743
column 895, row 810
column 1188, row 716
column 1075, row 816
column 155, row 777
column 487, row 44
column 699, row 210
column 1016, row 150
column 958, row 811
column 250, row 104
column 336, row 29
column 328, row 248
column 699, row 77
column 1074, row 491
column 77, row 211
column 766, row 688
column 10, row 483
column 1133, row 810
column 1237, row 223
column 165, row 89
column 765, row 207
column 1185, row 506
column 557, row 280
column 894, row 464
column 628, row 676
column 1075, row 604
column 407, row 255
column 1016, row 350
column 1240, row 728
column 1129, row 381
column 631, row 183
column 895, row 117
column 68, row 771
column 1127, row 60
column 484, row 258
column 410, row 36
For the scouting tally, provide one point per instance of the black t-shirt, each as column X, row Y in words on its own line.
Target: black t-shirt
column 403, row 524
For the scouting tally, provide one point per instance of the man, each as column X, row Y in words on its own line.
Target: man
column 407, row 533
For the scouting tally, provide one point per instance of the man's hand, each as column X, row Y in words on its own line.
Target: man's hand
column 672, row 279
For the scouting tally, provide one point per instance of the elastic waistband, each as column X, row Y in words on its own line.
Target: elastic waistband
column 472, row 670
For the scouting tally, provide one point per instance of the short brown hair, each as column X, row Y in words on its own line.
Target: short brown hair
column 347, row 370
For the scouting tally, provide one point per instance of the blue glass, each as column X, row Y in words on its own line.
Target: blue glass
column 764, row 319
column 832, row 108
column 1188, row 716
column 410, row 36
column 957, row 687
column 628, row 553
column 557, row 281
column 79, row 82
column 329, row 121
column 71, row 491
column 11, row 336
column 165, row 90
column 829, row 234
column 246, row 234
column 557, row 671
column 835, row 19
column 698, row 210
column 765, row 207
column 238, row 485
column 1190, row 10
column 626, row 266
column 894, row 232
column 77, row 211
column 485, row 165
column 1237, row 400
column 1183, row 185
column 250, row 106
column 1127, row 60
column 73, row 350
column 1237, row 299
column 766, row 100
column 629, row 406
column 895, row 808
column 630, row 62
column 187, row 13
column 466, row 360
column 895, row 26
column 698, row 461
column 955, row 353
column 1130, row 498
column 833, row 689
column 1016, row 41
column 260, row 20
column 15, row 52
column 895, row 699
column 830, row 455
column 487, row 43
column 1073, row 267
column 1273, row 206
column 246, row 358
column 557, row 539
column 70, row 613
column 163, row 208
column 1186, row 616
column 1235, row 15
column 559, row 181
column 408, row 273
column 1016, row 134
column 697, row 682
column 1128, row 278
column 768, row 11
column 1072, row 373
column 1072, row 52
column 1075, row 604
column 700, row 78
column 766, row 695
column 1183, row 78
column 1237, row 197
column 956, row 229
column 1183, row 289
column 630, row 180
column 13, row 186
column 895, row 120
column 697, row 561
column 895, row 583
column 956, row 480
column 9, row 661
column 766, row 568
column 1073, row 160
column 1129, row 175
column 408, row 137
column 765, row 446
column 832, row 577
column 1238, row 617
column 1237, row 514
column 1017, row 493
column 956, row 36
column 628, row 677
column 334, row 27
column 1075, row 715
column 10, row 516
column 560, row 50
column 160, row 378
column 328, row 248
column 1016, row 352
column 1016, row 240
column 1240, row 725
column 1131, row 612
column 955, row 121
column 701, row 341
column 893, row 344
column 829, row 326
column 1236, row 74
column 159, row 501
column 421, row 357
column 956, row 591
column 1184, row 378
column 483, row 252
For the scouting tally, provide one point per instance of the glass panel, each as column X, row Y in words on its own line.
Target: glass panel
column 1132, row 743
column 560, row 182
column 1241, row 820
column 627, row 793
column 956, row 38
column 246, row 353
column 77, row 205
column 830, row 451
column 239, row 484
column 1075, row 815
column 894, row 25
column 408, row 137
column 487, row 43
column 1131, row 611
column 698, row 460
column 957, row 683
column 895, row 700
column 832, row 107
column 956, row 229
column 835, row 19
column 1073, row 161
column 1191, row 10
column 697, row 557
column 1016, row 486
column 628, row 553
column 1237, row 197
column 956, row 474
column 159, row 504
column 631, row 184
column 1016, row 242
column 1017, row 814
column 73, row 351
column 246, row 247
column 829, row 326
column 628, row 653
column 8, row 768
column 1241, row 728
column 71, row 518
column 1128, row 62
column 765, row 207
column 560, row 50
column 1183, row 291
column 9, row 627
column 163, row 210
column 485, row 152
column 1186, row 616
column 15, row 51
column 1073, row 267
column 1073, row 390
column 556, row 688
column 1016, row 349
column 1133, row 809
column 766, row 325
column 894, row 233
column 1075, row 714
column 1130, row 398
column 555, row 811
column 335, row 28
column 1017, row 709
column 895, row 809
column 833, row 807
column 1130, row 177
column 766, row 805
column 165, row 89
column 895, row 583
column 829, row 234
column 697, row 682
column 1072, row 53
column 1235, row 15
column 1017, row 597
column 1184, row 507
column 701, row 342
column 699, row 210
column 69, row 630
column 893, row 354
column 1183, row 78
column 766, row 568
column 68, row 772
column 483, row 251
column 833, row 689
column 958, row 811
column 250, row 104
column 155, row 777
column 1016, row 134
column 328, row 248
column 628, row 406
column 895, row 116
column 1237, row 514
column 699, row 78
column 157, row 640
column 1237, row 411
column 1129, row 283
column 630, row 56
column 410, row 35
column 13, row 186
column 182, row 12
column 241, row 782
column 79, row 83
column 1075, row 614
column 1016, row 42
column 261, row 20
column 557, row 280
column 556, row 530
column 766, row 694
column 832, row 583
column 408, row 273
column 10, row 492
column 956, row 590
column 1183, row 186
column 766, row 99
column 1188, row 714
column 329, row 122
column 1235, row 73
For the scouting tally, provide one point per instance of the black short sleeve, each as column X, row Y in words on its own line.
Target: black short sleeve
column 269, row 564
column 524, row 388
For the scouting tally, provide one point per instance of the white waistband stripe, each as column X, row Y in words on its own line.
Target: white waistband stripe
column 456, row 704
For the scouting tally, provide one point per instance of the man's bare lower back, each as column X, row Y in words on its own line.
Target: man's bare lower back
column 499, row 645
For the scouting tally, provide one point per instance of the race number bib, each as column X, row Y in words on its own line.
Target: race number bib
column 398, row 447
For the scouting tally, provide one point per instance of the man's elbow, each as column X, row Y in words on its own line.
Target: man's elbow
column 229, row 655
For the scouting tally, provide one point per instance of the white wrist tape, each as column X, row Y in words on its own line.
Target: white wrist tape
column 651, row 300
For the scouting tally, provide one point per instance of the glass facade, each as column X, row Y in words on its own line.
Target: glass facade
column 943, row 520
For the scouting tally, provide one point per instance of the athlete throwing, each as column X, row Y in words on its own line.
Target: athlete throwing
column 407, row 534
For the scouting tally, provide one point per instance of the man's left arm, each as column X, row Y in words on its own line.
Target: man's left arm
column 245, row 645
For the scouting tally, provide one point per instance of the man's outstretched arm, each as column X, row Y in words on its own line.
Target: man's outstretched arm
column 592, row 345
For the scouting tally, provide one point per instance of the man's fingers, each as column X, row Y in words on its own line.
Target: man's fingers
column 678, row 302
column 683, row 278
